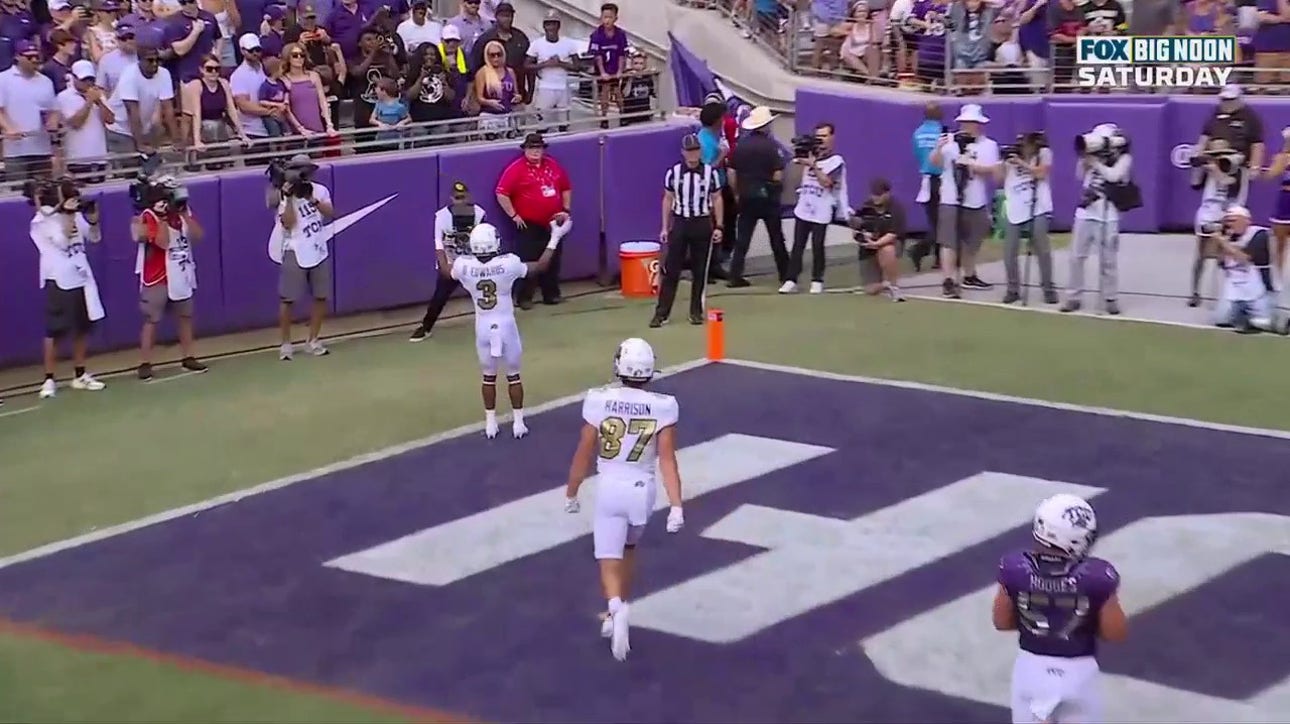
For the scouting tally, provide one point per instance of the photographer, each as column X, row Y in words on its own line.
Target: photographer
column 966, row 159
column 1224, row 181
column 1103, row 168
column 60, row 229
column 452, row 226
column 821, row 197
column 167, row 270
column 1028, row 200
column 755, row 173
column 1248, row 300
column 880, row 230
column 299, row 245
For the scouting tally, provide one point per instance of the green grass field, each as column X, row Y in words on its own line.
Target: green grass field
column 87, row 461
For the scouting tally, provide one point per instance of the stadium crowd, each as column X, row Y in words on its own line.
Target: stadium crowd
column 1008, row 46
column 90, row 83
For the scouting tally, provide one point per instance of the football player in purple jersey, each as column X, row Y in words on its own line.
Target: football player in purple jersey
column 1060, row 601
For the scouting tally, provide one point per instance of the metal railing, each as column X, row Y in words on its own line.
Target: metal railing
column 895, row 56
column 213, row 158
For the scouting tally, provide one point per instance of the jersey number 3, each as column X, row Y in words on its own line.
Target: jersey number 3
column 613, row 429
column 488, row 293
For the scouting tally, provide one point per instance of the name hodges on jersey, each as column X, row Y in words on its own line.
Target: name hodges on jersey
column 628, row 419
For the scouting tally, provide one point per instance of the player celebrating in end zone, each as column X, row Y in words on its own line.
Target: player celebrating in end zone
column 1061, row 602
column 634, row 432
column 489, row 276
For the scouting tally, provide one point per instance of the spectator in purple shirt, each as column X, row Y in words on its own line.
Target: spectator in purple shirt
column 190, row 35
column 59, row 65
column 609, row 47
column 271, row 42
column 16, row 25
column 470, row 24
column 928, row 20
column 1032, row 34
column 345, row 26
column 1272, row 41
column 397, row 9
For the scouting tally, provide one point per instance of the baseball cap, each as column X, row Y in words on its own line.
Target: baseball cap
column 534, row 140
column 249, row 41
column 504, row 8
column 551, row 16
column 1239, row 211
column 59, row 4
column 459, row 189
column 308, row 10
column 301, row 160
column 83, row 70
column 690, row 142
column 275, row 12
column 125, row 31
column 1230, row 92
column 25, row 47
column 450, row 32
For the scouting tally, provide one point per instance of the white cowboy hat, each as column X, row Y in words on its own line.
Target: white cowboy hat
column 971, row 113
column 759, row 117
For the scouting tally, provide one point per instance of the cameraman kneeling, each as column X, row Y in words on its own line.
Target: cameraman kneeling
column 880, row 231
column 452, row 226
column 167, row 270
column 299, row 245
column 1028, row 201
column 1248, row 300
column 60, row 229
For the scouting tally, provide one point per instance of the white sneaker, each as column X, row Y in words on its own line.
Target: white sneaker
column 519, row 429
column 606, row 626
column 286, row 351
column 788, row 287
column 87, row 382
column 619, row 645
column 316, row 348
column 817, row 287
column 48, row 390
column 490, row 429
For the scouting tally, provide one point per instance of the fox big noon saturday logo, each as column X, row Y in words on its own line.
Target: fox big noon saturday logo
column 1154, row 61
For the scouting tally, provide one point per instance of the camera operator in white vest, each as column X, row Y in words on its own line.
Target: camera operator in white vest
column 1248, row 298
column 821, row 198
column 60, row 229
column 1223, row 179
column 167, row 270
column 1104, row 165
column 967, row 158
column 1028, row 205
column 452, row 226
column 299, row 245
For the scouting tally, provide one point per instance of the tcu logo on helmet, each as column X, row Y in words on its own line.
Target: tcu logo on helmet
column 1078, row 516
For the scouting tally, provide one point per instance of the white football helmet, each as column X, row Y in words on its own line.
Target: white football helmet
column 634, row 360
column 1067, row 523
column 484, row 241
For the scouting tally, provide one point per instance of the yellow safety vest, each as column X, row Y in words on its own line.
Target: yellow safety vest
column 461, row 59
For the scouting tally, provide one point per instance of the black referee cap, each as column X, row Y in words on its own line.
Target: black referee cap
column 690, row 142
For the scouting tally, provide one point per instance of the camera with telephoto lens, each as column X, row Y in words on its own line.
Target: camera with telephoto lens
column 1104, row 145
column 283, row 175
column 1227, row 160
column 42, row 193
column 145, row 190
column 806, row 146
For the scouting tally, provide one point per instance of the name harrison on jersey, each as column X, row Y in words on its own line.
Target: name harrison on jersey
column 635, row 409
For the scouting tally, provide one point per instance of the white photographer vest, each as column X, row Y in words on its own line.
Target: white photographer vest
column 181, row 265
column 308, row 240
column 1243, row 281
column 62, row 257
column 1026, row 197
column 816, row 203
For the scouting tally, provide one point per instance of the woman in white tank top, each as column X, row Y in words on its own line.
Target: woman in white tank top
column 228, row 20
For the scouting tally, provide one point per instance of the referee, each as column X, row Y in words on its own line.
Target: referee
column 691, row 226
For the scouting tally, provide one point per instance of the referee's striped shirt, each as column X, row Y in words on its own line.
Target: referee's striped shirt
column 692, row 189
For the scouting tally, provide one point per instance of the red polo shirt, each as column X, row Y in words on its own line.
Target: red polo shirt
column 154, row 256
column 731, row 128
column 536, row 190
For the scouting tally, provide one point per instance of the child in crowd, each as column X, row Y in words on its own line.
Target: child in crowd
column 273, row 94
column 389, row 112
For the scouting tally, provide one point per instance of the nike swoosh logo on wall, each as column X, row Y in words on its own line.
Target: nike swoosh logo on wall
column 353, row 217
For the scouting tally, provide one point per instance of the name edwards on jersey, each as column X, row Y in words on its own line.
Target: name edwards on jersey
column 494, row 267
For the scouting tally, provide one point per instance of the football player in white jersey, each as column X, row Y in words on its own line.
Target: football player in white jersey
column 489, row 276
column 631, row 432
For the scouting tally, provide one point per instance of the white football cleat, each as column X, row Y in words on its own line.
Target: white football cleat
column 490, row 429
column 48, row 390
column 619, row 645
column 519, row 429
